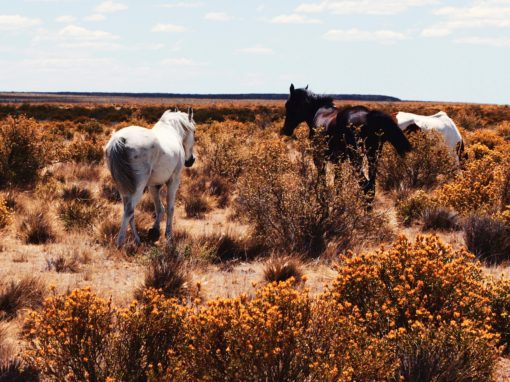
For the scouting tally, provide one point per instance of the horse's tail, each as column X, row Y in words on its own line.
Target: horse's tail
column 390, row 130
column 117, row 158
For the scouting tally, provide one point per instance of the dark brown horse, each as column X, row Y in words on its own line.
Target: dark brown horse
column 351, row 133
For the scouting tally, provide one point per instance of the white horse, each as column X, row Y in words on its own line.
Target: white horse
column 439, row 122
column 138, row 157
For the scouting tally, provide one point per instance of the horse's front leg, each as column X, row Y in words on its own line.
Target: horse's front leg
column 158, row 207
column 172, row 185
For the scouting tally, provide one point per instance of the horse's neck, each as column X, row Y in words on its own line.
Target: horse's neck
column 317, row 103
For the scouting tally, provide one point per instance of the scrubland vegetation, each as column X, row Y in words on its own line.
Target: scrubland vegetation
column 275, row 271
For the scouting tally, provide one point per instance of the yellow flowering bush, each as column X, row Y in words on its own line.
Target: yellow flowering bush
column 417, row 309
column 478, row 187
column 411, row 285
column 487, row 137
column 68, row 339
column 499, row 292
column 145, row 331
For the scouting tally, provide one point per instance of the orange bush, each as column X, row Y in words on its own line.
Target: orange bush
column 68, row 339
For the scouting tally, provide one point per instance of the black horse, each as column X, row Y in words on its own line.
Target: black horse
column 351, row 132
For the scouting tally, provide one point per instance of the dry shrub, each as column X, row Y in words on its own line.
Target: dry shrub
column 488, row 238
column 428, row 164
column 223, row 149
column 499, row 292
column 468, row 119
column 37, row 228
column 146, row 331
column 196, row 205
column 85, row 151
column 68, row 339
column 282, row 268
column 5, row 213
column 23, row 294
column 21, row 152
column 448, row 353
column 221, row 189
column 503, row 130
column 412, row 207
column 168, row 273
column 486, row 137
column 480, row 186
column 293, row 208
column 440, row 218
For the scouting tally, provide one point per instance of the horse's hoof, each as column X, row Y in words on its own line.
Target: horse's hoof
column 153, row 235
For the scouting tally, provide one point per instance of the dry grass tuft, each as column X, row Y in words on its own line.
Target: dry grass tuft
column 168, row 273
column 441, row 219
column 26, row 293
column 63, row 263
column 487, row 238
column 282, row 268
column 37, row 228
column 196, row 206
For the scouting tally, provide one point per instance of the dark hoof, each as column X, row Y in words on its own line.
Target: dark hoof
column 153, row 235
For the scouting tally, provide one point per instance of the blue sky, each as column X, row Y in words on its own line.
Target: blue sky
column 443, row 50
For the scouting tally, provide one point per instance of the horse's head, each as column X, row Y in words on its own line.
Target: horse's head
column 189, row 140
column 297, row 109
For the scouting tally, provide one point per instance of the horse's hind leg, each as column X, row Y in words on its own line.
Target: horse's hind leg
column 173, row 185
column 126, row 218
column 158, row 207
column 134, row 201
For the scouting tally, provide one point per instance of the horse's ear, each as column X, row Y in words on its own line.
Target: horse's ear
column 306, row 87
column 291, row 88
column 190, row 114
column 176, row 109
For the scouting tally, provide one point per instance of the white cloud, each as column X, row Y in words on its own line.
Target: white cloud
column 181, row 62
column 169, row 28
column 96, row 17
column 110, row 7
column 257, row 49
column 486, row 41
column 371, row 7
column 76, row 33
column 218, row 16
column 480, row 14
column 354, row 34
column 294, row 18
column 183, row 4
column 13, row 22
column 436, row 32
column 66, row 19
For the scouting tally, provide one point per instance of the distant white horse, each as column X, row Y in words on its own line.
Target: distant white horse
column 439, row 122
column 138, row 157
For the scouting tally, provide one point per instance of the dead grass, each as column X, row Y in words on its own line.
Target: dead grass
column 37, row 227
column 15, row 296
column 282, row 268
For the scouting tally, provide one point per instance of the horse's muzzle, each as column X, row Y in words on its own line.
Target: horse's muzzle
column 189, row 162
